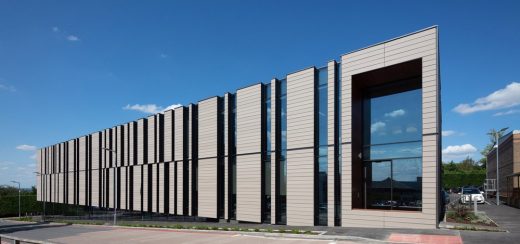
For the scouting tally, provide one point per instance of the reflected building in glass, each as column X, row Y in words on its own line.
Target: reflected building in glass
column 352, row 143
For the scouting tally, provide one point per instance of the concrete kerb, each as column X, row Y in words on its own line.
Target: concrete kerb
column 318, row 236
column 18, row 240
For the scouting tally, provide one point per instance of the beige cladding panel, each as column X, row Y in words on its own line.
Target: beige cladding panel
column 180, row 182
column 273, row 153
column 249, row 138
column 207, row 188
column 60, row 188
column 420, row 45
column 137, row 188
column 154, row 188
column 151, row 139
column 38, row 188
column 118, row 140
column 82, row 190
column 70, row 190
column 300, row 109
column 331, row 67
column 208, row 128
column 123, row 193
column 111, row 199
column 226, row 153
column 131, row 143
column 300, row 134
column 171, row 186
column 179, row 133
column 71, row 155
column 249, row 186
column 249, row 120
column 161, row 183
column 95, row 188
column 124, row 144
column 82, row 153
column 168, row 136
column 141, row 141
column 300, row 185
column 96, row 160
column 145, row 188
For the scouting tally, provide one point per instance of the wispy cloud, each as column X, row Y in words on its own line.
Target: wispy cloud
column 396, row 113
column 448, row 132
column 25, row 147
column 458, row 151
column 8, row 88
column 149, row 108
column 55, row 29
column 377, row 126
column 22, row 172
column 72, row 38
column 508, row 112
column 163, row 55
column 504, row 98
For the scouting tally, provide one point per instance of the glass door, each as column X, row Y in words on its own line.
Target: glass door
column 378, row 184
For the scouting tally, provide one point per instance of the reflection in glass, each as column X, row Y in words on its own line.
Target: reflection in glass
column 392, row 149
column 321, row 190
column 281, row 174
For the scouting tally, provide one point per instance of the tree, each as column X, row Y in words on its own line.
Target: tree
column 492, row 141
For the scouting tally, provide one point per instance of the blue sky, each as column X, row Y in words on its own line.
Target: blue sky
column 69, row 68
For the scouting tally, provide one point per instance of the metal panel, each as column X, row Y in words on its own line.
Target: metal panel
column 300, row 145
column 273, row 152
column 207, row 163
column 155, row 179
column 142, row 141
column 168, row 135
column 249, row 147
column 179, row 133
column 172, row 185
column 151, row 139
column 95, row 188
column 146, row 190
column 180, row 190
column 161, row 186
column 123, row 195
column 137, row 194
column 132, row 143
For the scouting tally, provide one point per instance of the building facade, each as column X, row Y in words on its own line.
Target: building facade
column 355, row 143
column 508, row 166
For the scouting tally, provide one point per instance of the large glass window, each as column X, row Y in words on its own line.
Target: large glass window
column 267, row 157
column 281, row 167
column 392, row 148
column 321, row 186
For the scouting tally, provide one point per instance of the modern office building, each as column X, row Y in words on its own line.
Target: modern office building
column 355, row 143
column 508, row 167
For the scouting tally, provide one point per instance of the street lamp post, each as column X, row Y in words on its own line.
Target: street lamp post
column 497, row 135
column 19, row 200
column 44, row 195
column 115, row 195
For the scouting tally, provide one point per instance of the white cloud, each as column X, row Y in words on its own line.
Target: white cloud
column 7, row 88
column 377, row 126
column 503, row 98
column 25, row 147
column 411, row 129
column 396, row 113
column 33, row 157
column 163, row 55
column 22, row 172
column 55, row 29
column 508, row 112
column 72, row 38
column 397, row 131
column 448, row 132
column 149, row 108
column 458, row 150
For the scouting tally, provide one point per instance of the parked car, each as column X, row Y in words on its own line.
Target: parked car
column 469, row 195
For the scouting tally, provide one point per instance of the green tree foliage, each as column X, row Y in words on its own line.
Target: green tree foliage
column 9, row 201
column 465, row 173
